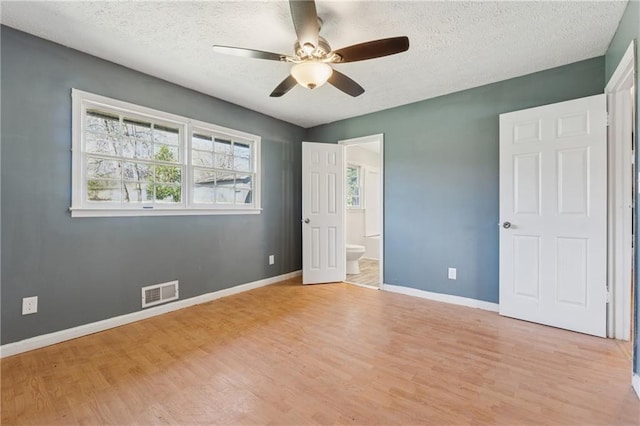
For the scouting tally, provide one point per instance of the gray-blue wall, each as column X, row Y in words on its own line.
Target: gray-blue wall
column 441, row 176
column 628, row 30
column 441, row 186
column 89, row 269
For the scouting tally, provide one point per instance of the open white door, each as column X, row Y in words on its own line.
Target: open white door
column 553, row 212
column 323, row 250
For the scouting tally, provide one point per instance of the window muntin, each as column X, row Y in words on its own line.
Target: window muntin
column 354, row 186
column 130, row 160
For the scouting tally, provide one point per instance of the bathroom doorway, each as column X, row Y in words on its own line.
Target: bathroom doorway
column 364, row 189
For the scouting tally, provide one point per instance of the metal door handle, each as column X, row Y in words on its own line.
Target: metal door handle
column 506, row 225
column 307, row 220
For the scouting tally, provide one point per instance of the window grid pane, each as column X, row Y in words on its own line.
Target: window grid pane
column 142, row 155
column 222, row 170
column 353, row 186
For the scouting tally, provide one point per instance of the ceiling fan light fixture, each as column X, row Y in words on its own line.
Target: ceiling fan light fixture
column 311, row 74
column 312, row 54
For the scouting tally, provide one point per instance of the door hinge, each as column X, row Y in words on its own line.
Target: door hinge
column 608, row 119
column 608, row 295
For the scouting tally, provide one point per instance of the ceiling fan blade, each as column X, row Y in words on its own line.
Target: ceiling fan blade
column 248, row 53
column 345, row 84
column 286, row 85
column 373, row 49
column 305, row 21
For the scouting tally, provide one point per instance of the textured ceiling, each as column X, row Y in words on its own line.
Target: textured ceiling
column 454, row 45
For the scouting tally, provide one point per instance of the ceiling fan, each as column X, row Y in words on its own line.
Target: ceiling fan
column 313, row 55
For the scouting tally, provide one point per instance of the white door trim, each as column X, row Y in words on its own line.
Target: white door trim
column 366, row 139
column 620, row 200
column 625, row 67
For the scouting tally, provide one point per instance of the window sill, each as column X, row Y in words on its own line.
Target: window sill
column 85, row 212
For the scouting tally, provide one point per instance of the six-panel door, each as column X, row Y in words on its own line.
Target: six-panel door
column 553, row 184
column 323, row 250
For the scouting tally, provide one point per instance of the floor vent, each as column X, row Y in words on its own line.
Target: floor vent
column 159, row 293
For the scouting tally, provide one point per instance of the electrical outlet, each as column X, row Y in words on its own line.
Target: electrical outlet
column 272, row 259
column 452, row 273
column 29, row 305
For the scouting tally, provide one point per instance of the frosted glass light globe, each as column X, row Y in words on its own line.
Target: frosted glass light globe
column 311, row 74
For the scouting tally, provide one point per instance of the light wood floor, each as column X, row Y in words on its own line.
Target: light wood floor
column 323, row 354
column 369, row 273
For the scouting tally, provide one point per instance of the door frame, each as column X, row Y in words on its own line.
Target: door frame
column 621, row 196
column 356, row 141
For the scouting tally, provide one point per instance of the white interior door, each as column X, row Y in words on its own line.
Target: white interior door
column 323, row 239
column 553, row 212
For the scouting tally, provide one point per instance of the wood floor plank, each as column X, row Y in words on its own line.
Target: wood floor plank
column 324, row 354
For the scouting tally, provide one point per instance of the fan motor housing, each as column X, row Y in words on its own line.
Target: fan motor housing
column 321, row 51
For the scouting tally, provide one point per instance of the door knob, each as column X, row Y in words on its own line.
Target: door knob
column 307, row 220
column 506, row 225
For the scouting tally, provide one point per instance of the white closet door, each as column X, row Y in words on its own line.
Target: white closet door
column 553, row 212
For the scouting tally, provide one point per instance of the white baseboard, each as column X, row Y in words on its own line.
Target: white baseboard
column 635, row 382
column 372, row 287
column 439, row 297
column 94, row 327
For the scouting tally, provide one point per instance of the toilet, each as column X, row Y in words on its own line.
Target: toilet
column 354, row 253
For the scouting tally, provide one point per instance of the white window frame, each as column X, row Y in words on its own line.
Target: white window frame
column 80, row 207
column 361, row 169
